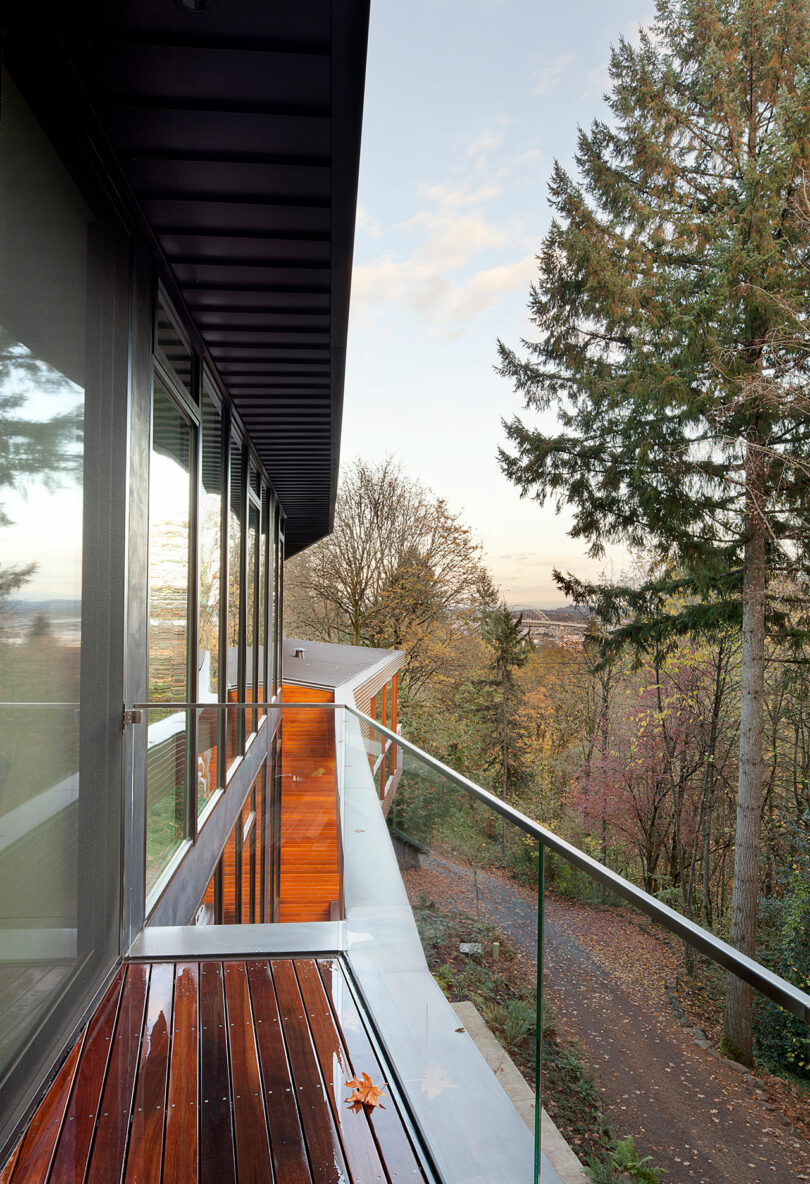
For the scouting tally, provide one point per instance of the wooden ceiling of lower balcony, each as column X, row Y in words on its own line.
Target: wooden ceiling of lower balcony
column 218, row 1072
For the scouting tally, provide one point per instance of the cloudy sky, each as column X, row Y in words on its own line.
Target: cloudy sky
column 468, row 103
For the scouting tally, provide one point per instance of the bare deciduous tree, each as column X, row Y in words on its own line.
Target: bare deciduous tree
column 399, row 570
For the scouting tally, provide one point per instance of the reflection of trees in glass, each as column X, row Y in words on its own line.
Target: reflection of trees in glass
column 168, row 610
column 234, row 557
column 210, row 523
column 12, row 578
column 250, row 590
column 46, row 450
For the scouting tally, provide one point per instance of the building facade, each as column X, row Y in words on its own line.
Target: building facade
column 177, row 195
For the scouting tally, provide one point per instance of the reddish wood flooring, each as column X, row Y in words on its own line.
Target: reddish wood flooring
column 218, row 1072
column 310, row 872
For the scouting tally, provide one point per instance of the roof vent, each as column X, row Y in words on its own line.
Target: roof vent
column 299, row 653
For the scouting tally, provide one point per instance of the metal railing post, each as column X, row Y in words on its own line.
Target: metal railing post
column 538, row 1039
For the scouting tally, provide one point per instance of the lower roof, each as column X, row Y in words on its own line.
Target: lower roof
column 324, row 664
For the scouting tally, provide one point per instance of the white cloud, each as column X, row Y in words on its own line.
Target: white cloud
column 489, row 141
column 459, row 195
column 439, row 275
column 486, row 288
column 551, row 73
column 366, row 223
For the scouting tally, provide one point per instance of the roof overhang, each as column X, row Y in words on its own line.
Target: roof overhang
column 236, row 125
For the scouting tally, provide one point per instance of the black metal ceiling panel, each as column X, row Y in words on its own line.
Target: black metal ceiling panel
column 236, row 124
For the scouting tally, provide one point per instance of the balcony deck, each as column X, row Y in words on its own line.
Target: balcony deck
column 223, row 1072
column 310, row 873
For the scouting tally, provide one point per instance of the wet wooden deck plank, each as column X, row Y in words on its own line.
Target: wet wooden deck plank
column 112, row 1122
column 287, row 1145
column 38, row 1142
column 218, row 1073
column 396, row 1150
column 76, row 1136
column 325, row 1151
column 252, row 1148
column 145, row 1158
column 182, row 1108
column 355, row 1134
column 217, row 1162
column 8, row 1166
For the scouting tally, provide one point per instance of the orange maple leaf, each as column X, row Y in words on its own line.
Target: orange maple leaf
column 366, row 1095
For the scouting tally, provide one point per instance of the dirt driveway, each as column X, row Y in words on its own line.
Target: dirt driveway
column 701, row 1119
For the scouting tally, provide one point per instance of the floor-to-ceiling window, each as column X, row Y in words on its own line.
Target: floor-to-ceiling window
column 213, row 584
column 171, row 470
column 58, row 816
column 251, row 608
column 210, row 773
column 235, row 651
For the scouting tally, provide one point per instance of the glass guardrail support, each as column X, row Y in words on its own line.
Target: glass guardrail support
column 538, row 1038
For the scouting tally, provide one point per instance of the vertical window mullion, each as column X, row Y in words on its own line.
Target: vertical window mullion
column 266, row 526
column 256, row 595
column 237, row 867
column 192, row 726
column 263, row 838
column 252, row 867
column 218, row 894
column 224, row 586
column 241, row 677
column 279, row 605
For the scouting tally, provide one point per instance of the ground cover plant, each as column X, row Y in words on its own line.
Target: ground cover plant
column 504, row 991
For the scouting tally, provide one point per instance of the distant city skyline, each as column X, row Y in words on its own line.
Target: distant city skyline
column 464, row 116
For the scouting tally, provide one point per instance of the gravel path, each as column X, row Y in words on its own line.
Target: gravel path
column 700, row 1118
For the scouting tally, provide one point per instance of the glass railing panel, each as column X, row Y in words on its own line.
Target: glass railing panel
column 282, row 859
column 629, row 1037
column 210, row 755
column 168, row 758
column 472, row 879
column 633, row 1068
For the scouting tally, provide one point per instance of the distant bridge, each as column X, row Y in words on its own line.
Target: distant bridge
column 538, row 625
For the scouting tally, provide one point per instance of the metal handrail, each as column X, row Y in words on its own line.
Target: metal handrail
column 776, row 988
column 792, row 998
column 272, row 705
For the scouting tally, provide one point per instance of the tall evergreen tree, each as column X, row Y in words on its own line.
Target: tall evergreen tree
column 499, row 695
column 672, row 308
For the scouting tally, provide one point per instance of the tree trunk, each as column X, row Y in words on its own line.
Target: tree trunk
column 707, row 883
column 739, row 996
column 702, row 830
column 604, row 725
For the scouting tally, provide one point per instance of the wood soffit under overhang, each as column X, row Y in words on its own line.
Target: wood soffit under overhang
column 237, row 130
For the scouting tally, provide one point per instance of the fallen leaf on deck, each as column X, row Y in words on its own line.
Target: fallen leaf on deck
column 366, row 1095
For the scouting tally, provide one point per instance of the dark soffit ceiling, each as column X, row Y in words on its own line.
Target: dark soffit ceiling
column 238, row 131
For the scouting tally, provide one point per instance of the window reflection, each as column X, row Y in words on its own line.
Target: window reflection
column 236, row 726
column 169, row 548
column 172, row 347
column 262, row 638
column 210, row 518
column 251, row 602
column 44, row 231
